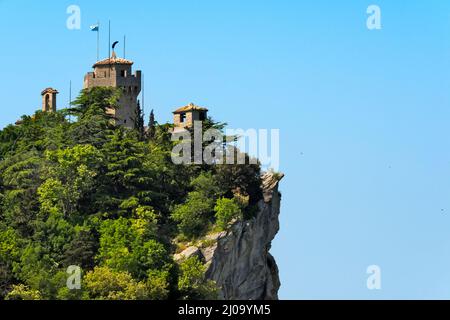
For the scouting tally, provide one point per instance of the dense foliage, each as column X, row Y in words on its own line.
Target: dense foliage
column 111, row 201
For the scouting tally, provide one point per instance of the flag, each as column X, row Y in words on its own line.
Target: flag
column 95, row 27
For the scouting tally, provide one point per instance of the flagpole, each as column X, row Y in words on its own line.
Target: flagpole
column 98, row 40
column 109, row 39
column 124, row 45
column 109, row 47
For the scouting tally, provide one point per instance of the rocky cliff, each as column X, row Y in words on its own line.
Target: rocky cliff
column 238, row 260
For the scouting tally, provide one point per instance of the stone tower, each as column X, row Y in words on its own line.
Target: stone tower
column 117, row 73
column 184, row 117
column 49, row 100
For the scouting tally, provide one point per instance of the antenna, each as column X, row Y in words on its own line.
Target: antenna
column 143, row 94
column 124, row 45
column 70, row 99
column 109, row 47
column 109, row 39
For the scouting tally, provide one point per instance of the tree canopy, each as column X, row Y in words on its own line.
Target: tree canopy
column 109, row 200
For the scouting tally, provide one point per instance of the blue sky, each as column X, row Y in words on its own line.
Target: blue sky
column 363, row 116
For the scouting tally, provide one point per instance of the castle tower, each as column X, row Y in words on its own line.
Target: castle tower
column 117, row 73
column 49, row 100
column 184, row 117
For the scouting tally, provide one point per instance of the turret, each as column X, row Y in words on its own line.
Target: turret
column 49, row 100
column 184, row 117
column 117, row 73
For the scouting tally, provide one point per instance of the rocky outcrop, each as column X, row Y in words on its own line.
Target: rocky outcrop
column 188, row 253
column 238, row 260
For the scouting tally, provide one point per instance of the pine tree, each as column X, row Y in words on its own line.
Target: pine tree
column 94, row 122
column 139, row 121
column 151, row 126
column 94, row 194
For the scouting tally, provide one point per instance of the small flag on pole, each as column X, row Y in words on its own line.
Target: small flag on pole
column 96, row 27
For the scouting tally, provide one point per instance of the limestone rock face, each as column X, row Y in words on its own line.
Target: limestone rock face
column 239, row 260
column 188, row 253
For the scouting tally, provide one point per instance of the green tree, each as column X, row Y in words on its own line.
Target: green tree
column 192, row 284
column 10, row 250
column 227, row 210
column 94, row 117
column 125, row 175
column 8, row 138
column 90, row 193
column 36, row 270
column 104, row 283
column 139, row 121
column 22, row 292
column 158, row 284
column 70, row 177
column 151, row 126
column 194, row 215
column 20, row 176
column 241, row 179
column 81, row 250
column 129, row 245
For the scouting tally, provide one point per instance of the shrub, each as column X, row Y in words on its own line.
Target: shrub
column 192, row 284
column 244, row 178
column 158, row 285
column 193, row 216
column 105, row 284
column 227, row 210
column 22, row 292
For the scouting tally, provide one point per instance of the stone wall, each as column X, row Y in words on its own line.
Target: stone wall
column 111, row 76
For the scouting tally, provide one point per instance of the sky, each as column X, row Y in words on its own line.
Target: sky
column 363, row 116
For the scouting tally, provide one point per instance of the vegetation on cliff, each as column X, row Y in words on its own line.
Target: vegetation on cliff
column 110, row 200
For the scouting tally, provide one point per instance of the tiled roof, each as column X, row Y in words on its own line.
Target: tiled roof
column 49, row 90
column 190, row 107
column 112, row 60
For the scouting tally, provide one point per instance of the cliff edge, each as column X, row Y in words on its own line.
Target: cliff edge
column 238, row 260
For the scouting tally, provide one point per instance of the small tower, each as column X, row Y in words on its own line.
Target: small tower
column 184, row 117
column 49, row 100
column 117, row 73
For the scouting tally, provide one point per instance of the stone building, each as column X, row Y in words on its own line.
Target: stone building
column 117, row 73
column 49, row 100
column 184, row 117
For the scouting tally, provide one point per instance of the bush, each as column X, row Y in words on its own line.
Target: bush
column 193, row 216
column 158, row 285
column 125, row 246
column 242, row 178
column 192, row 284
column 22, row 292
column 227, row 210
column 105, row 284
